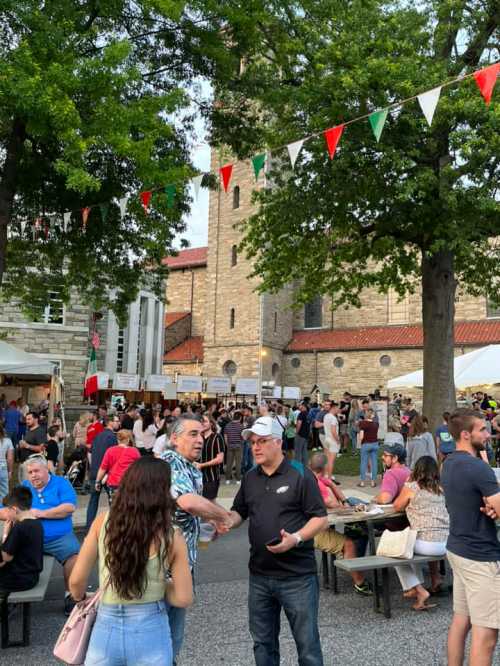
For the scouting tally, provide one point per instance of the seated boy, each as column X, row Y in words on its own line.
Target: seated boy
column 331, row 541
column 21, row 553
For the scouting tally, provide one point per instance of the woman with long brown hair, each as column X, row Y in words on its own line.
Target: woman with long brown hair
column 420, row 442
column 423, row 499
column 143, row 565
column 116, row 461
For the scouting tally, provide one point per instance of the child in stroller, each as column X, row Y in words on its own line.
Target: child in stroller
column 76, row 468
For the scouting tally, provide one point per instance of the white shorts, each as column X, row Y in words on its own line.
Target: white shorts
column 331, row 445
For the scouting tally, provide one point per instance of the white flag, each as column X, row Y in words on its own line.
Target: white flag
column 197, row 184
column 123, row 205
column 428, row 103
column 66, row 221
column 294, row 150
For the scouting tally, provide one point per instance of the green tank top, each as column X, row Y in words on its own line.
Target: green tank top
column 155, row 577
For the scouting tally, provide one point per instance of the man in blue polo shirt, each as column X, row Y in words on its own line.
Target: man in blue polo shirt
column 54, row 501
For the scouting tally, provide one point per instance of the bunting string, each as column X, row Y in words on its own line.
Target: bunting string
column 484, row 78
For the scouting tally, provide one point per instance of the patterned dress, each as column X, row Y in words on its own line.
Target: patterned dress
column 186, row 479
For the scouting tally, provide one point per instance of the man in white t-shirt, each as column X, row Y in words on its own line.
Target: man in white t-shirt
column 331, row 442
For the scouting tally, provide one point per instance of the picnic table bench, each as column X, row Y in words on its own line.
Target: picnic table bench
column 375, row 563
column 26, row 598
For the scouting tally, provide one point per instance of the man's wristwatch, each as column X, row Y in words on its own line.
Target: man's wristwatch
column 298, row 538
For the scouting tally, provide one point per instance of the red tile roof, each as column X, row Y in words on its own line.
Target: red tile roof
column 390, row 337
column 172, row 317
column 190, row 258
column 188, row 351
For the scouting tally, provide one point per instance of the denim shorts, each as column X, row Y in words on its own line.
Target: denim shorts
column 63, row 547
column 131, row 635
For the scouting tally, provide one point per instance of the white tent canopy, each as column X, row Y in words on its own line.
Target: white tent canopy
column 15, row 361
column 477, row 368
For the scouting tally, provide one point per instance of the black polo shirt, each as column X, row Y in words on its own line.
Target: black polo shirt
column 285, row 500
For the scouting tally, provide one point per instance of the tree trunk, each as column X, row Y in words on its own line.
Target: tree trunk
column 438, row 314
column 8, row 183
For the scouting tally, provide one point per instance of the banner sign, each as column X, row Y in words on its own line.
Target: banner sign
column 170, row 392
column 102, row 380
column 247, row 386
column 189, row 384
column 291, row 393
column 158, row 382
column 126, row 382
column 277, row 392
column 218, row 385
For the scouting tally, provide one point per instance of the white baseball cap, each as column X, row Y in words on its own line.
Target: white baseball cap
column 264, row 426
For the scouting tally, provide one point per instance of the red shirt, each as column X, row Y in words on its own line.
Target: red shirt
column 92, row 431
column 117, row 460
column 324, row 484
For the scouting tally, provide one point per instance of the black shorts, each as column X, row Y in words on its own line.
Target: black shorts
column 210, row 489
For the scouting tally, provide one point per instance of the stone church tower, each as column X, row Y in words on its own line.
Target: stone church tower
column 245, row 333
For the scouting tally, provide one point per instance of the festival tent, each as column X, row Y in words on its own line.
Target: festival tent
column 15, row 361
column 477, row 368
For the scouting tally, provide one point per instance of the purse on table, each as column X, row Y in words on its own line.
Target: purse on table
column 397, row 544
column 73, row 641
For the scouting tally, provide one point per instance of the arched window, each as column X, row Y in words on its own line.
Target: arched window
column 275, row 322
column 234, row 255
column 231, row 318
column 229, row 368
column 275, row 370
column 236, row 197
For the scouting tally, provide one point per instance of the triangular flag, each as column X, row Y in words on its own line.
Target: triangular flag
column 377, row 122
column 122, row 203
column 294, row 150
column 170, row 192
column 145, row 199
column 226, row 172
column 332, row 137
column 85, row 215
column 66, row 220
column 258, row 164
column 104, row 207
column 486, row 79
column 428, row 102
column 197, row 180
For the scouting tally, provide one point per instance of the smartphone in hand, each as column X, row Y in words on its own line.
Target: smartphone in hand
column 274, row 542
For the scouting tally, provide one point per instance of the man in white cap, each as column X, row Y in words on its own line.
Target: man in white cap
column 283, row 503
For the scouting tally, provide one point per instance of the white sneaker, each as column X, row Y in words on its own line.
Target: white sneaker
column 228, row 483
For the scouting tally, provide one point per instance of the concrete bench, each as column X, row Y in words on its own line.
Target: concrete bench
column 26, row 598
column 375, row 563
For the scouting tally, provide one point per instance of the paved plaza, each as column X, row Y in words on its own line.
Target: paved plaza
column 217, row 629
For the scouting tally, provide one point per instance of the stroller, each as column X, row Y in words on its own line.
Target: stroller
column 76, row 468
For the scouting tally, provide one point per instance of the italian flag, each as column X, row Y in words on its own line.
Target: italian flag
column 91, row 376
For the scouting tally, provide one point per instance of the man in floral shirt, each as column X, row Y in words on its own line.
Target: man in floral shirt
column 187, row 484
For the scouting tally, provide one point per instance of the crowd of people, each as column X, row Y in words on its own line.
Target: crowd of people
column 161, row 470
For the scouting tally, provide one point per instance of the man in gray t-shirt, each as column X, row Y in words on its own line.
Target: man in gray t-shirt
column 318, row 423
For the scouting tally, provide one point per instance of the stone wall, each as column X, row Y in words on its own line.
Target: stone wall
column 66, row 343
column 187, row 292
column 177, row 332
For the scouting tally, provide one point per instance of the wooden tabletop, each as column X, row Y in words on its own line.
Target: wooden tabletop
column 346, row 515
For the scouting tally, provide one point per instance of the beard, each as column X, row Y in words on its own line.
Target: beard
column 478, row 446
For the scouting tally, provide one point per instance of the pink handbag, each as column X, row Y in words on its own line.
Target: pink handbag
column 73, row 641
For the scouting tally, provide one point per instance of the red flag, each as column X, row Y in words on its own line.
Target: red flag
column 85, row 215
column 332, row 137
column 145, row 199
column 226, row 172
column 486, row 79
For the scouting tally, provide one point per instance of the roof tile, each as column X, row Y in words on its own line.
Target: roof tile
column 189, row 258
column 389, row 337
column 172, row 317
column 188, row 351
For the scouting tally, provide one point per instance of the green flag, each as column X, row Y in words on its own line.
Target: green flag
column 104, row 207
column 377, row 122
column 170, row 192
column 258, row 164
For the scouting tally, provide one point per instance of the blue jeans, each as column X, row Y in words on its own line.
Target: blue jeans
column 131, row 635
column 299, row 598
column 369, row 452
column 300, row 449
column 4, row 483
column 177, row 620
column 353, row 435
column 93, row 504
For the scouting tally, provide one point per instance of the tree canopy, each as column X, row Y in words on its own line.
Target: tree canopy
column 420, row 204
column 97, row 101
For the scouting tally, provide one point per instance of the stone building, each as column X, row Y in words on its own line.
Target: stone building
column 216, row 324
column 61, row 332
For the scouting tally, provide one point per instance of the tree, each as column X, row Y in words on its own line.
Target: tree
column 96, row 102
column 420, row 205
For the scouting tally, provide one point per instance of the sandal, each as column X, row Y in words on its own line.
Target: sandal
column 424, row 607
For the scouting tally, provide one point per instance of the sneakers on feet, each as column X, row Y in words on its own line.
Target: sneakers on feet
column 361, row 484
column 364, row 589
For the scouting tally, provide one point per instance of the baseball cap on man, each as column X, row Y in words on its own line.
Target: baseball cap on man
column 395, row 450
column 264, row 426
